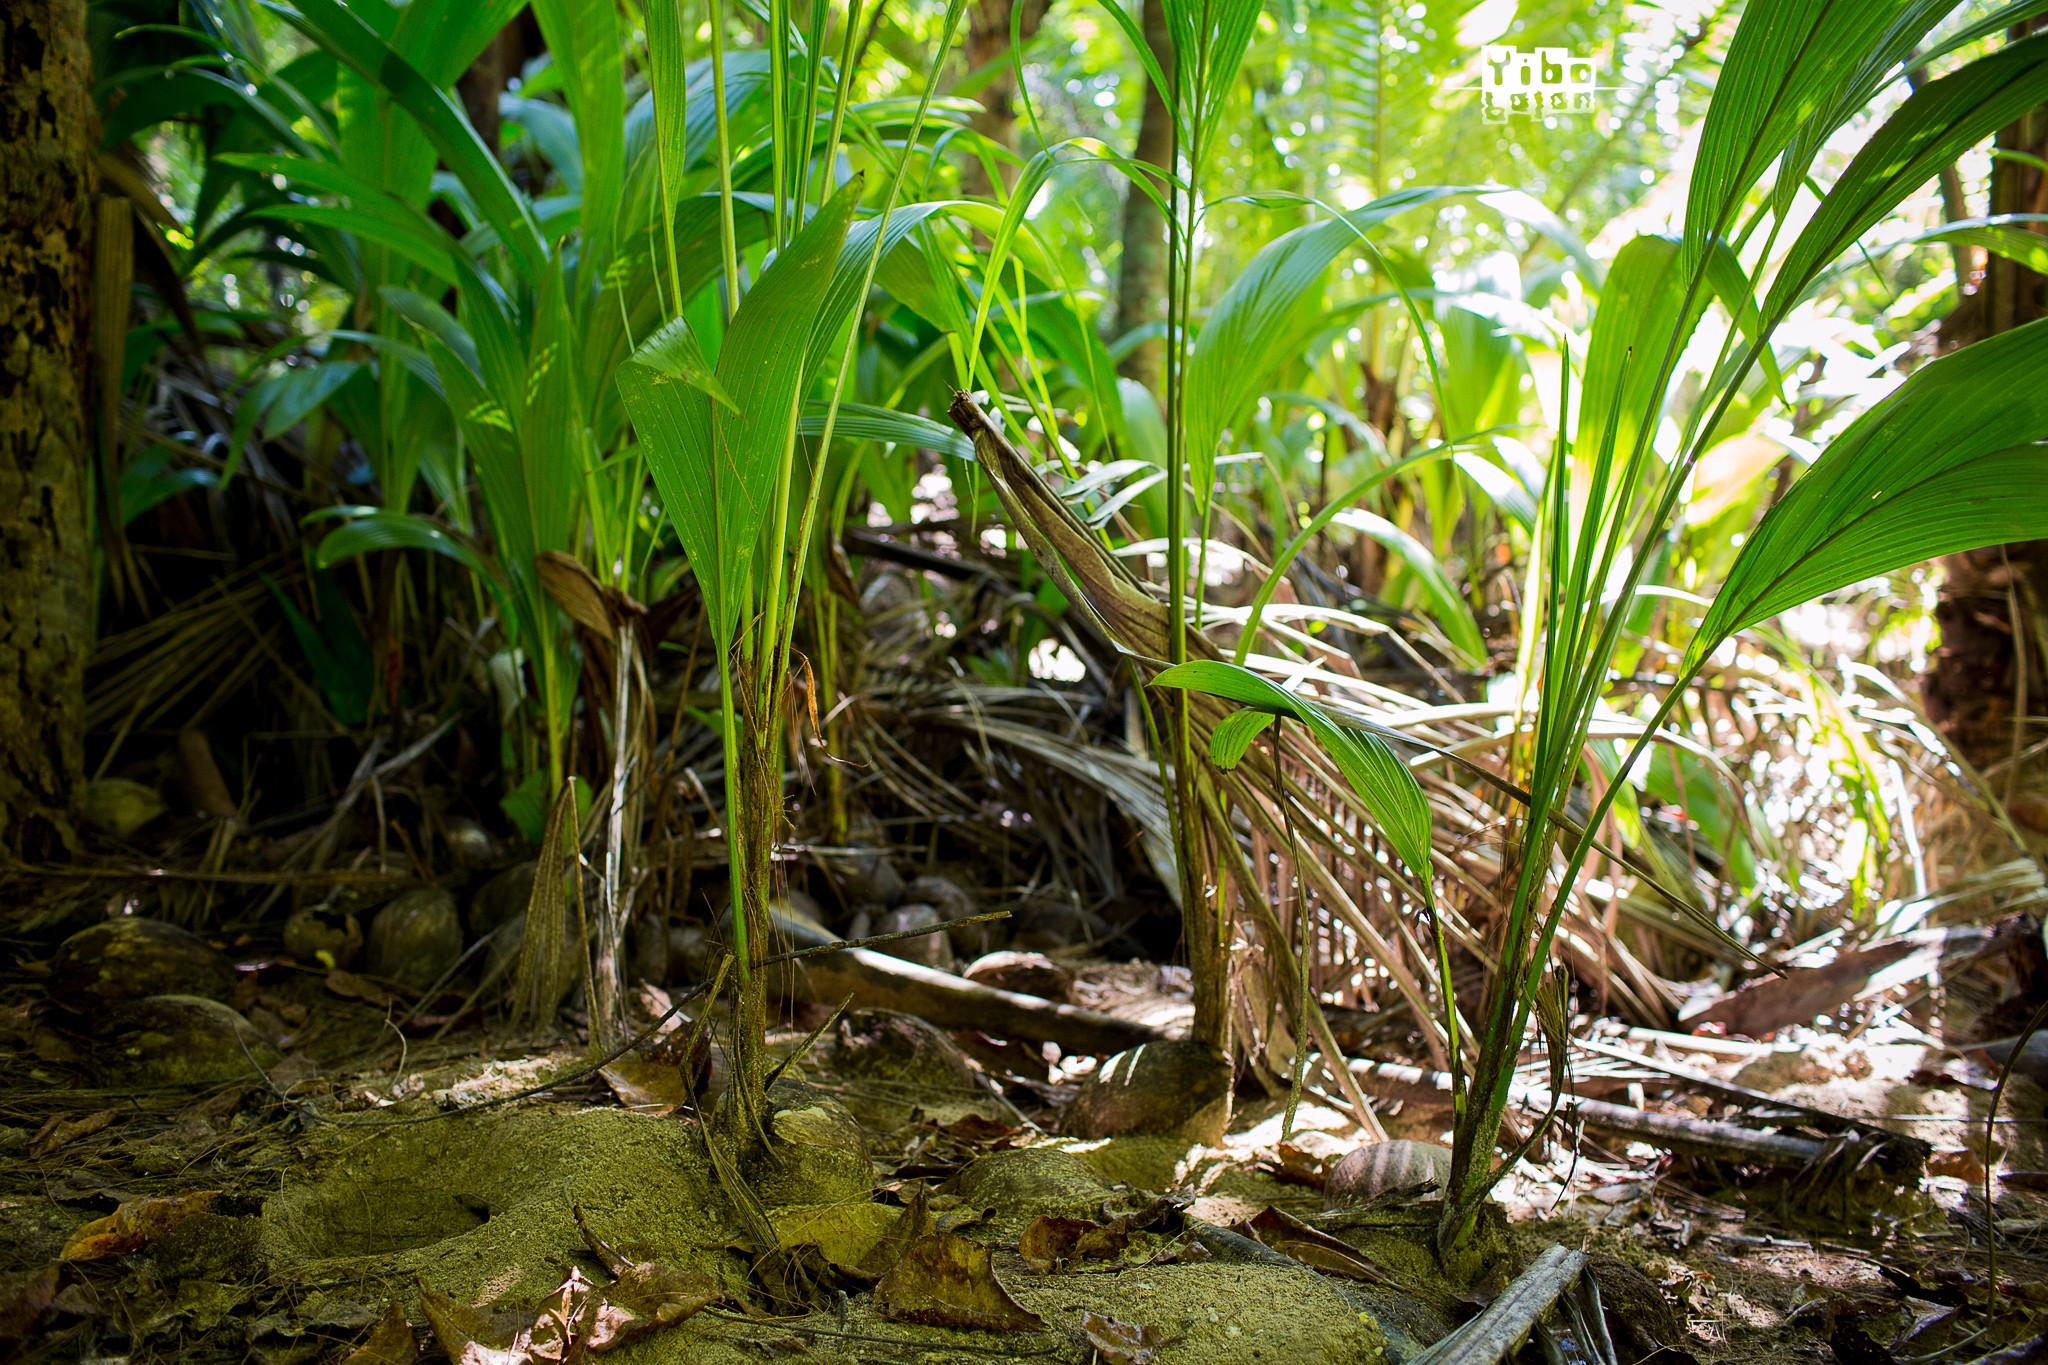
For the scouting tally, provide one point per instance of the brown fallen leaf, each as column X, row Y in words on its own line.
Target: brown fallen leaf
column 133, row 1226
column 1121, row 1343
column 647, row 1085
column 349, row 986
column 472, row 1336
column 62, row 1132
column 643, row 1296
column 1958, row 1162
column 1313, row 1247
column 648, row 1296
column 1294, row 1166
column 392, row 1343
column 23, row 1309
column 1050, row 1243
column 947, row 1281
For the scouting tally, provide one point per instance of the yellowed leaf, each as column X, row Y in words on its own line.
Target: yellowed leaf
column 133, row 1226
column 945, row 1280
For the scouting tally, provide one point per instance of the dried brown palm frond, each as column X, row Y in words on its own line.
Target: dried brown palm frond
column 1311, row 900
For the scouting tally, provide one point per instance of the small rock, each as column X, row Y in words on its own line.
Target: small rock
column 183, row 1040
column 501, row 956
column 1166, row 1087
column 1024, row 973
column 817, row 1152
column 933, row 949
column 1045, row 926
column 1367, row 1172
column 500, row 899
column 861, row 922
column 116, row 806
column 692, row 956
column 470, row 844
column 648, row 944
column 130, row 957
column 1018, row 1184
column 415, row 939
column 954, row 903
column 323, row 934
column 870, row 877
column 1643, row 1317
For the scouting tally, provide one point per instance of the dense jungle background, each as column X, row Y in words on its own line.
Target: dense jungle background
column 1115, row 680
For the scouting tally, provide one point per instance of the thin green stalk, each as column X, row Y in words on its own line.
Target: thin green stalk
column 778, row 112
column 954, row 10
column 728, row 238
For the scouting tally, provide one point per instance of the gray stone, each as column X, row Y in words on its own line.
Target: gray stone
column 817, row 1152
column 500, row 899
column 1153, row 1088
column 469, row 843
column 130, row 958
column 1364, row 1173
column 183, row 1040
column 953, row 902
column 1046, row 926
column 1024, row 973
column 933, row 950
column 867, row 877
column 415, row 939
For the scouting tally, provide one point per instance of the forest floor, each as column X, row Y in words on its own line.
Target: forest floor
column 493, row 1188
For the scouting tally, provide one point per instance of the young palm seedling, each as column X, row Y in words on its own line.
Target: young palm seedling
column 1953, row 459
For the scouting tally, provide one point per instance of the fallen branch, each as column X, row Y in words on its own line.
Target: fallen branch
column 1899, row 1155
column 1496, row 1334
column 877, row 981
column 1695, row 1137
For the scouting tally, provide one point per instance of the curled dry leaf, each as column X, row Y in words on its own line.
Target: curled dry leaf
column 647, row 1085
column 349, row 986
column 392, row 1343
column 133, row 1226
column 645, row 1297
column 1958, row 1162
column 1050, row 1243
column 472, row 1336
column 947, row 1281
column 1296, row 1166
column 61, row 1132
column 1315, row 1248
column 1121, row 1343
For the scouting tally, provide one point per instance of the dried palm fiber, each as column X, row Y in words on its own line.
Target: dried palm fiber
column 1299, row 873
column 1321, row 810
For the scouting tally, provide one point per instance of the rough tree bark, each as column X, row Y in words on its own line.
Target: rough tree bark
column 47, row 187
column 1141, row 277
column 1992, row 601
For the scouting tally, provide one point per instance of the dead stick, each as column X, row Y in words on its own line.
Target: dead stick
column 1499, row 1332
column 1702, row 1137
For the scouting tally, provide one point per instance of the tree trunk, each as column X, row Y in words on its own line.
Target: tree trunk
column 988, row 52
column 1987, row 676
column 1141, row 277
column 47, row 184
